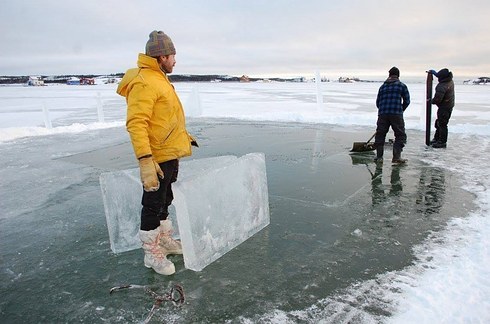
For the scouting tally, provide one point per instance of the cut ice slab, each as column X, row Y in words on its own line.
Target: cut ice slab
column 122, row 191
column 219, row 209
column 219, row 203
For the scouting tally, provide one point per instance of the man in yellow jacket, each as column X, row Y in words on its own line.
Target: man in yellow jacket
column 156, row 125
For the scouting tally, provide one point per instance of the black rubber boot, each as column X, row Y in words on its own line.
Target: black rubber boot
column 439, row 145
column 379, row 153
column 397, row 156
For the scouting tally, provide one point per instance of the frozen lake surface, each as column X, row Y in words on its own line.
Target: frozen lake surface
column 349, row 241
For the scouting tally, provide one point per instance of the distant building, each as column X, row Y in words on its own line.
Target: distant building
column 348, row 80
column 87, row 81
column 73, row 81
column 112, row 80
column 298, row 79
column 35, row 81
column 480, row 80
column 244, row 78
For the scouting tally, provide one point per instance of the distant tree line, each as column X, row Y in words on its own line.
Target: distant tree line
column 13, row 79
column 174, row 78
column 7, row 79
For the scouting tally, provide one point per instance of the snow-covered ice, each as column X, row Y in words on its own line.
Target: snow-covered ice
column 447, row 282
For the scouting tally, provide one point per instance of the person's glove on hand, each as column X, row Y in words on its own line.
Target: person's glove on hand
column 149, row 172
column 433, row 72
column 193, row 141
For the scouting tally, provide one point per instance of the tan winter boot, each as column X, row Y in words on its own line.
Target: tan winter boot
column 154, row 256
column 167, row 243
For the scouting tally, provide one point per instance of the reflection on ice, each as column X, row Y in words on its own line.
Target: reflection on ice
column 432, row 187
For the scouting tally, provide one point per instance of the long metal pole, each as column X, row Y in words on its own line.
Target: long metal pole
column 428, row 108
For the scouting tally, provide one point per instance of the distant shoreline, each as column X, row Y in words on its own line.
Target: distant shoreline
column 63, row 79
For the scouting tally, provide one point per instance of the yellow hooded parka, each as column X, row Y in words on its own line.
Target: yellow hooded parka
column 155, row 117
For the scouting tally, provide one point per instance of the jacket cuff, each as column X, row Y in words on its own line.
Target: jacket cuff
column 144, row 156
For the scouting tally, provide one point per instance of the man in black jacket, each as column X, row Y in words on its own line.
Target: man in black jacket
column 444, row 99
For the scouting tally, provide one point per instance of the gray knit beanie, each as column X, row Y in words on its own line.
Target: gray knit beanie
column 159, row 44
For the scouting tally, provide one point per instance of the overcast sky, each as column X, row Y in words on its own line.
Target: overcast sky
column 252, row 37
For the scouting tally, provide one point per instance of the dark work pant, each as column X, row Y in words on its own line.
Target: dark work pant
column 383, row 126
column 443, row 115
column 155, row 204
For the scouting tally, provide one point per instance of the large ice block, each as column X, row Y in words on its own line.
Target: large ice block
column 221, row 208
column 219, row 203
column 121, row 194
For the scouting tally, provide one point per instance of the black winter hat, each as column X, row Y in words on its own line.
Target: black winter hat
column 394, row 71
column 442, row 74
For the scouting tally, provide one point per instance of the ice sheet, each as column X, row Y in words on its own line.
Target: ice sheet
column 219, row 203
column 220, row 209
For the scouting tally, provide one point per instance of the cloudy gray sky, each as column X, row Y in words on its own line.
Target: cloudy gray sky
column 253, row 37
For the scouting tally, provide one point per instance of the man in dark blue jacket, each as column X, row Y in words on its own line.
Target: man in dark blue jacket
column 393, row 98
